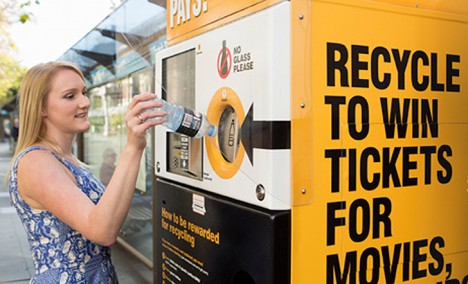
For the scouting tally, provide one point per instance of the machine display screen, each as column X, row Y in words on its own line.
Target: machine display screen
column 178, row 78
column 184, row 154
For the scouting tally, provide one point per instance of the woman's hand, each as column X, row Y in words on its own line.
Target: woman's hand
column 142, row 114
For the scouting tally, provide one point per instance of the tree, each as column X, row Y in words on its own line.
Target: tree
column 12, row 11
column 11, row 74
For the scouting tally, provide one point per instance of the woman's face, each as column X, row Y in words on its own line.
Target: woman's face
column 67, row 105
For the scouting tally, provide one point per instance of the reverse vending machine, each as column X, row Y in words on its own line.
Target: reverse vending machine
column 224, row 202
column 341, row 148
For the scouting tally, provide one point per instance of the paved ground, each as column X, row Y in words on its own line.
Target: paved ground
column 15, row 260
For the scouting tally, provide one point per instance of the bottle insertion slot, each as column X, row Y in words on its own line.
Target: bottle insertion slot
column 229, row 134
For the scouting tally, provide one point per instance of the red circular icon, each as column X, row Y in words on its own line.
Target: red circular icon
column 224, row 62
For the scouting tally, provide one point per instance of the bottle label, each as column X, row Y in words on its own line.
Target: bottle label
column 191, row 123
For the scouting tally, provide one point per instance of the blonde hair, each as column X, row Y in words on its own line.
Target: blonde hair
column 32, row 98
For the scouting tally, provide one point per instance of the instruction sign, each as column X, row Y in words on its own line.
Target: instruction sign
column 200, row 238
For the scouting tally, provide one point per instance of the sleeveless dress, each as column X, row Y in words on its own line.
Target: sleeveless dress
column 60, row 253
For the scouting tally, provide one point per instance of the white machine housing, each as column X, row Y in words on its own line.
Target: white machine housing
column 259, row 74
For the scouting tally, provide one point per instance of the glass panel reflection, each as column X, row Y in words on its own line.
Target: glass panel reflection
column 104, row 143
column 117, row 58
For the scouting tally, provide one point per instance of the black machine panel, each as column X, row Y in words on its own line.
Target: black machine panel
column 203, row 238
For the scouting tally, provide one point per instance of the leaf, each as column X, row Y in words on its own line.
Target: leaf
column 24, row 18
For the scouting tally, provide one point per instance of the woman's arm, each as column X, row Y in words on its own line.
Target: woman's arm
column 46, row 184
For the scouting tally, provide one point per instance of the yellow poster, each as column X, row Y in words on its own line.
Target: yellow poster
column 381, row 176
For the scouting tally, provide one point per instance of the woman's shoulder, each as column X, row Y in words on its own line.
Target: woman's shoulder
column 34, row 152
column 37, row 160
column 34, row 168
column 32, row 148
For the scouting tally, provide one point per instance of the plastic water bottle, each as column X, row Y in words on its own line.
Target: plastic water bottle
column 185, row 121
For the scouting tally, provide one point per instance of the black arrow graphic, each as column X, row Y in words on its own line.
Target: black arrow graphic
column 271, row 135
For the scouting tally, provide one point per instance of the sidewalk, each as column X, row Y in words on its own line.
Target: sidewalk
column 15, row 259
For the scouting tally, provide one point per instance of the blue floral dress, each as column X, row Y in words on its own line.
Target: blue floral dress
column 60, row 253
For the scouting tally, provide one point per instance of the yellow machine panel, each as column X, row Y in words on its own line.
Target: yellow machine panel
column 379, row 142
column 188, row 18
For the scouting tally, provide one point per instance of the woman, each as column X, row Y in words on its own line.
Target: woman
column 69, row 217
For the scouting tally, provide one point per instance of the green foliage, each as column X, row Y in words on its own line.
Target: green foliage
column 28, row 3
column 11, row 74
column 12, row 11
column 24, row 18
